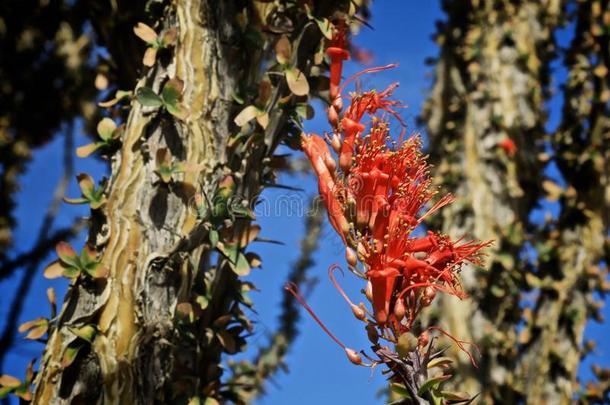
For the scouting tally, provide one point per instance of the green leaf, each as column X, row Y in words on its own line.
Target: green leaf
column 86, row 332
column 96, row 270
column 326, row 28
column 177, row 110
column 86, row 150
column 440, row 362
column 66, row 254
column 432, row 383
column 297, row 82
column 148, row 98
column 172, row 92
column 305, row 111
column 70, row 353
column 86, row 185
column 401, row 390
column 213, row 236
column 71, row 272
column 75, row 200
column 106, row 128
column 242, row 267
column 229, row 251
column 168, row 37
column 203, row 301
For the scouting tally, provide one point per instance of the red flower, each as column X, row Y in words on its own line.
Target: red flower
column 508, row 146
column 338, row 53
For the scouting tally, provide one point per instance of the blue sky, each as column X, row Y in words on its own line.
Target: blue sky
column 319, row 371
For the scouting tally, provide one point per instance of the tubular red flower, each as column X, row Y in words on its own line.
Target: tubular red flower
column 338, row 53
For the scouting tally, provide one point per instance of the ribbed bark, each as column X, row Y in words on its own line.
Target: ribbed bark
column 569, row 270
column 174, row 244
column 152, row 245
column 485, row 118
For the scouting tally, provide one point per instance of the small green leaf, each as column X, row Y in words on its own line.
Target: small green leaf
column 305, row 111
column 432, row 383
column 87, row 150
column 440, row 362
column 106, row 128
column 242, row 267
column 326, row 27
column 86, row 332
column 213, row 236
column 148, row 98
column 75, row 200
column 246, row 115
column 168, row 38
column 71, row 272
column 70, row 353
column 66, row 254
column 203, row 301
column 297, row 82
column 96, row 270
column 400, row 390
column 86, row 185
column 172, row 92
column 177, row 110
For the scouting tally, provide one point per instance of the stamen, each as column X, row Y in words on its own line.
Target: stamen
column 366, row 71
column 460, row 344
column 294, row 290
column 358, row 312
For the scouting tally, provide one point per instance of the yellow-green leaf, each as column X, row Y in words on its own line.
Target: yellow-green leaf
column 86, row 150
column 246, row 115
column 106, row 128
column 297, row 82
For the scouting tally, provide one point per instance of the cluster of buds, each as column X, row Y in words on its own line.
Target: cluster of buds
column 377, row 192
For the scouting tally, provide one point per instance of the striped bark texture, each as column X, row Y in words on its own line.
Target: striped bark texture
column 173, row 301
column 485, row 119
column 571, row 247
column 152, row 245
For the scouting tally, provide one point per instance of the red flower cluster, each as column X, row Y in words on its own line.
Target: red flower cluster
column 376, row 199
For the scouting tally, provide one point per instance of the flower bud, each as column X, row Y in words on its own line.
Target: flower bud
column 399, row 309
column 353, row 356
column 369, row 291
column 358, row 312
column 423, row 340
column 351, row 257
column 338, row 103
column 381, row 317
column 335, row 143
column 333, row 116
column 406, row 344
column 429, row 294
